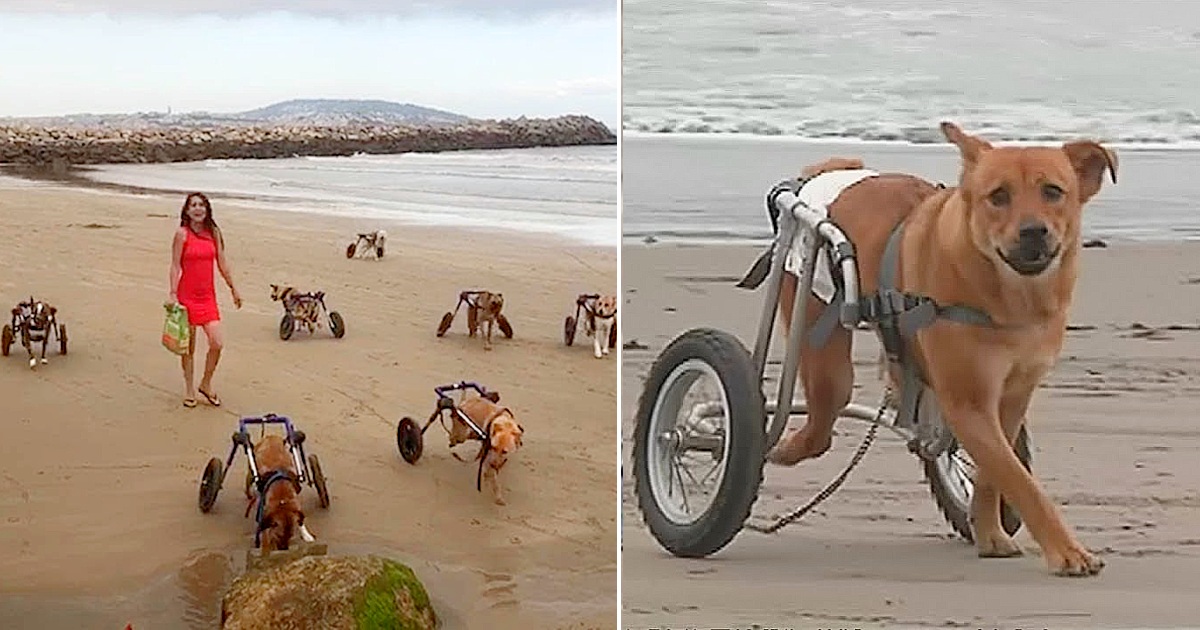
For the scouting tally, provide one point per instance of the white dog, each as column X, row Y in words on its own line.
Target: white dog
column 374, row 244
column 602, row 319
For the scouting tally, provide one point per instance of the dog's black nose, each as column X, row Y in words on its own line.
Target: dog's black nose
column 1033, row 231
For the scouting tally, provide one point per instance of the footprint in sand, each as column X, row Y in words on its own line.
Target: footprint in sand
column 500, row 590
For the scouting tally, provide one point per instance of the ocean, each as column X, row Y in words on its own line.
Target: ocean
column 562, row 192
column 722, row 98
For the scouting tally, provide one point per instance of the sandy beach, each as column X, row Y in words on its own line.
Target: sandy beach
column 1115, row 444
column 99, row 462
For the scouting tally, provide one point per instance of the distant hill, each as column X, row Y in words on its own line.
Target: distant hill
column 331, row 112
column 335, row 111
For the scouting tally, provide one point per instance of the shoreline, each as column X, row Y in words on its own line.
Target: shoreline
column 74, row 177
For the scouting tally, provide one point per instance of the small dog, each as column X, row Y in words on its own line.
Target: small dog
column 504, row 438
column 485, row 308
column 306, row 311
column 35, row 321
column 374, row 244
column 601, row 320
column 281, row 514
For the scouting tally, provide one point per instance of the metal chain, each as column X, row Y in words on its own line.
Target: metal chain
column 837, row 482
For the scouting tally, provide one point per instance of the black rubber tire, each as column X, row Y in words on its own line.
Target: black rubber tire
column 747, row 449
column 350, row 250
column 318, row 478
column 569, row 330
column 612, row 335
column 6, row 339
column 447, row 319
column 409, row 440
column 287, row 326
column 210, row 484
column 337, row 325
column 505, row 327
column 958, row 514
column 62, row 338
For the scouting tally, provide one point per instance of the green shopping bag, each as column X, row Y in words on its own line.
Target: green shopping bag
column 176, row 335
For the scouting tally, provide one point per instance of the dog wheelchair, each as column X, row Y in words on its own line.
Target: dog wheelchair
column 309, row 468
column 471, row 299
column 308, row 310
column 35, row 322
column 727, row 430
column 585, row 304
column 374, row 241
column 410, row 439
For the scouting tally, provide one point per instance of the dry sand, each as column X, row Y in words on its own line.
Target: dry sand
column 99, row 462
column 1116, row 443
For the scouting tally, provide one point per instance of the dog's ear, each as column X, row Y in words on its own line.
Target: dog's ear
column 53, row 310
column 1090, row 160
column 267, row 523
column 969, row 146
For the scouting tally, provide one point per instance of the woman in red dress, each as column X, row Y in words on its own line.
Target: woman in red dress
column 198, row 243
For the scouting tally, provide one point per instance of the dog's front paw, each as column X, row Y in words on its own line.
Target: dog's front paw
column 996, row 545
column 1074, row 561
column 500, row 500
column 32, row 364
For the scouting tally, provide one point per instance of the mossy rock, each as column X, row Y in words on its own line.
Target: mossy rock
column 347, row 592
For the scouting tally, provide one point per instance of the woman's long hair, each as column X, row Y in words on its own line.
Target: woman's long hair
column 209, row 222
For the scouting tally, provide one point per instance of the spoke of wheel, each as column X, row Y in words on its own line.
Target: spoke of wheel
column 683, row 491
column 710, row 472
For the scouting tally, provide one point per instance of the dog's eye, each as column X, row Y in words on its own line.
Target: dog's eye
column 1052, row 193
column 999, row 197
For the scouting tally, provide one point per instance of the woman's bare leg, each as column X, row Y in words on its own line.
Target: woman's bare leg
column 216, row 342
column 188, row 360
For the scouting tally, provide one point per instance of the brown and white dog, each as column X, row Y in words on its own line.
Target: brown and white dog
column 1005, row 242
column 368, row 243
column 485, row 309
column 282, row 515
column 34, row 322
column 307, row 312
column 504, row 438
column 600, row 323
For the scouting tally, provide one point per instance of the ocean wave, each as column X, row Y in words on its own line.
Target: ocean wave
column 1185, row 132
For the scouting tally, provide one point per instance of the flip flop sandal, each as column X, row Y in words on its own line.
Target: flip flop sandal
column 189, row 402
column 212, row 399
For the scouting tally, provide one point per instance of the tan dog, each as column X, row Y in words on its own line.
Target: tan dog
column 1004, row 242
column 600, row 324
column 505, row 438
column 282, row 515
column 306, row 311
column 484, row 310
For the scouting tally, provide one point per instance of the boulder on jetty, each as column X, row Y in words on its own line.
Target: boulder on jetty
column 31, row 145
column 297, row 590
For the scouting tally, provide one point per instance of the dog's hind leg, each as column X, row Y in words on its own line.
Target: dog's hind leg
column 487, row 340
column 827, row 375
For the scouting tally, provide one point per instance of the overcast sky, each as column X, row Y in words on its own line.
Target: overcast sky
column 481, row 58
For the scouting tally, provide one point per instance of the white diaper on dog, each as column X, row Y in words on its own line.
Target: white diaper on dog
column 817, row 194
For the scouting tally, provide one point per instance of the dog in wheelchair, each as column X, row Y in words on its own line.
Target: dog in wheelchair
column 368, row 243
column 34, row 322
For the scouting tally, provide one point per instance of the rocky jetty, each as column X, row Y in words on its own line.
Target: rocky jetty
column 60, row 146
column 307, row 589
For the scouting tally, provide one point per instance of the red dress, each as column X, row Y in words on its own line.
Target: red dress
column 197, row 292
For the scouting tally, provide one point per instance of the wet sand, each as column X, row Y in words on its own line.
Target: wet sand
column 100, row 463
column 1116, row 444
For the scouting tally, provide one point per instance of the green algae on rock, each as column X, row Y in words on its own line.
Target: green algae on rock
column 344, row 592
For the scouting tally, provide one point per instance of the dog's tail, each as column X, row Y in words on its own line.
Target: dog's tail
column 831, row 164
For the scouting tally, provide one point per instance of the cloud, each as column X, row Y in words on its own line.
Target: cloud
column 324, row 8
